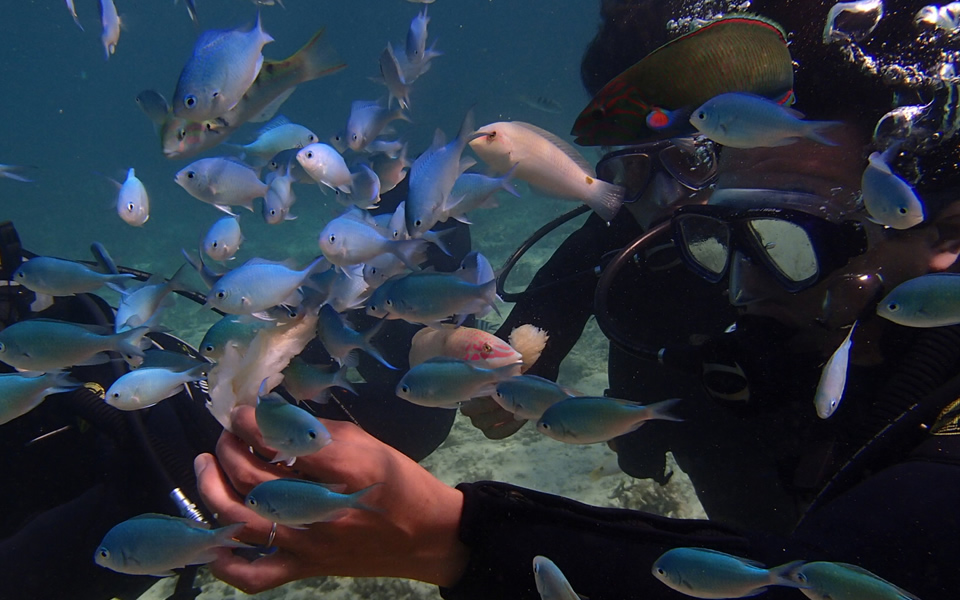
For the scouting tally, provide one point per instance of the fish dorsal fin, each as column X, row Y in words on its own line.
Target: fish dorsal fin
column 439, row 140
column 565, row 146
column 162, row 517
column 275, row 122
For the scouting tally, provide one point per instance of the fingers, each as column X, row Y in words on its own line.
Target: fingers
column 494, row 421
column 226, row 504
column 262, row 574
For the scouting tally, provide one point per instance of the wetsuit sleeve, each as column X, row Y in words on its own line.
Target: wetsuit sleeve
column 605, row 553
column 559, row 300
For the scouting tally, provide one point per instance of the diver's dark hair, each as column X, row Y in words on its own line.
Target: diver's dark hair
column 832, row 81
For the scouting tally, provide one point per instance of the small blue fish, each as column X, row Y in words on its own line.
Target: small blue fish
column 586, row 420
column 931, row 300
column 10, row 172
column 841, row 581
column 833, row 378
column 306, row 382
column 258, row 285
column 49, row 345
column 279, row 199
column 704, row 573
column 551, row 582
column 133, row 203
column 742, row 120
column 288, row 429
column 110, row 21
column 142, row 306
column 529, row 396
column 392, row 75
column 223, row 239
column 208, row 275
column 417, row 37
column 475, row 190
column 297, row 503
column 889, row 199
column 446, row 382
column 222, row 182
column 431, row 297
column 367, row 119
column 231, row 330
column 434, row 174
column 352, row 238
column 146, row 386
column 326, row 166
column 58, row 277
column 22, row 392
column 154, row 544
column 73, row 13
column 342, row 341
column 223, row 65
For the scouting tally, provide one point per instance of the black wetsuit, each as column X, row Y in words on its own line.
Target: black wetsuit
column 756, row 466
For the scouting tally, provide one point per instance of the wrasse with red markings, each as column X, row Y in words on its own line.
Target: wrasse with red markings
column 654, row 98
column 483, row 349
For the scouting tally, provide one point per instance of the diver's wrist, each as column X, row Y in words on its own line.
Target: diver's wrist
column 442, row 558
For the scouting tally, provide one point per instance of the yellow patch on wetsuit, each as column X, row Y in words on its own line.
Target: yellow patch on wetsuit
column 948, row 423
column 96, row 388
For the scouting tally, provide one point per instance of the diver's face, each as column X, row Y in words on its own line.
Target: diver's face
column 831, row 172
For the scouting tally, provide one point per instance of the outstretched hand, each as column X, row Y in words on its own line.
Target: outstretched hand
column 412, row 532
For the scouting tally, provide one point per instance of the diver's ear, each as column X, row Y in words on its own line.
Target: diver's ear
column 946, row 249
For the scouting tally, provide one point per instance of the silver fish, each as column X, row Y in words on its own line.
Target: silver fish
column 110, row 21
column 326, row 166
column 154, row 105
column 342, row 341
column 351, row 239
column 258, row 285
column 586, row 420
column 58, row 277
column 705, row 573
column 741, row 120
column 223, row 239
column 133, row 202
column 931, row 300
column 73, row 13
column 889, row 199
column 221, row 69
column 141, row 306
column 833, row 378
column 392, row 76
column 146, row 386
column 446, row 382
column 221, row 182
column 367, row 119
column 551, row 583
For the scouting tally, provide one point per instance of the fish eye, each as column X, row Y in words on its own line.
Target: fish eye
column 115, row 395
column 417, row 223
column 20, row 275
column 902, row 210
column 354, row 136
column 487, row 347
column 598, row 113
column 545, row 425
column 312, row 138
column 190, row 101
column 104, row 553
column 311, row 434
column 660, row 571
column 273, row 212
column 388, row 302
column 251, row 501
column 701, row 115
column 191, row 174
column 215, row 95
column 181, row 133
column 404, row 388
column 893, row 307
column 309, row 154
column 801, row 577
column 1, row 347
column 221, row 294
column 332, row 238
column 130, row 206
column 208, row 348
column 215, row 243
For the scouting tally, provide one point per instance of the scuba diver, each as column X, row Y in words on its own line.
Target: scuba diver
column 785, row 261
column 76, row 466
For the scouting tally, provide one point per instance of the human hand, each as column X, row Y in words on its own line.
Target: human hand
column 492, row 419
column 412, row 533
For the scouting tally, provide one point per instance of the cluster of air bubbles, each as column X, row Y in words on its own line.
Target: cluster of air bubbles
column 939, row 19
column 698, row 13
column 852, row 21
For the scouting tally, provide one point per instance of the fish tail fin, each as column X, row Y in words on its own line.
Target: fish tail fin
column 129, row 343
column 356, row 497
column 506, row 181
column 318, row 58
column 340, row 380
column 439, row 239
column 784, row 575
column 661, row 410
column 115, row 283
column 225, row 535
column 605, row 198
column 410, row 252
column 61, row 381
column 370, row 349
column 490, row 295
column 814, row 131
column 104, row 261
column 176, row 283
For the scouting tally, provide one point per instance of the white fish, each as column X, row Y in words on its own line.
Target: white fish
column 833, row 378
column 392, row 76
column 931, row 300
column 548, row 163
column 279, row 134
column 391, row 171
column 324, row 164
column 434, row 174
column 279, row 199
column 133, row 203
column 222, row 67
column 475, row 190
column 140, row 308
column 22, row 392
column 110, row 21
column 223, row 239
column 367, row 119
column 221, row 182
column 887, row 197
column 351, row 239
column 258, row 285
column 144, row 387
column 551, row 583
column 73, row 13
column 58, row 277
column 10, row 172
column 366, row 188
